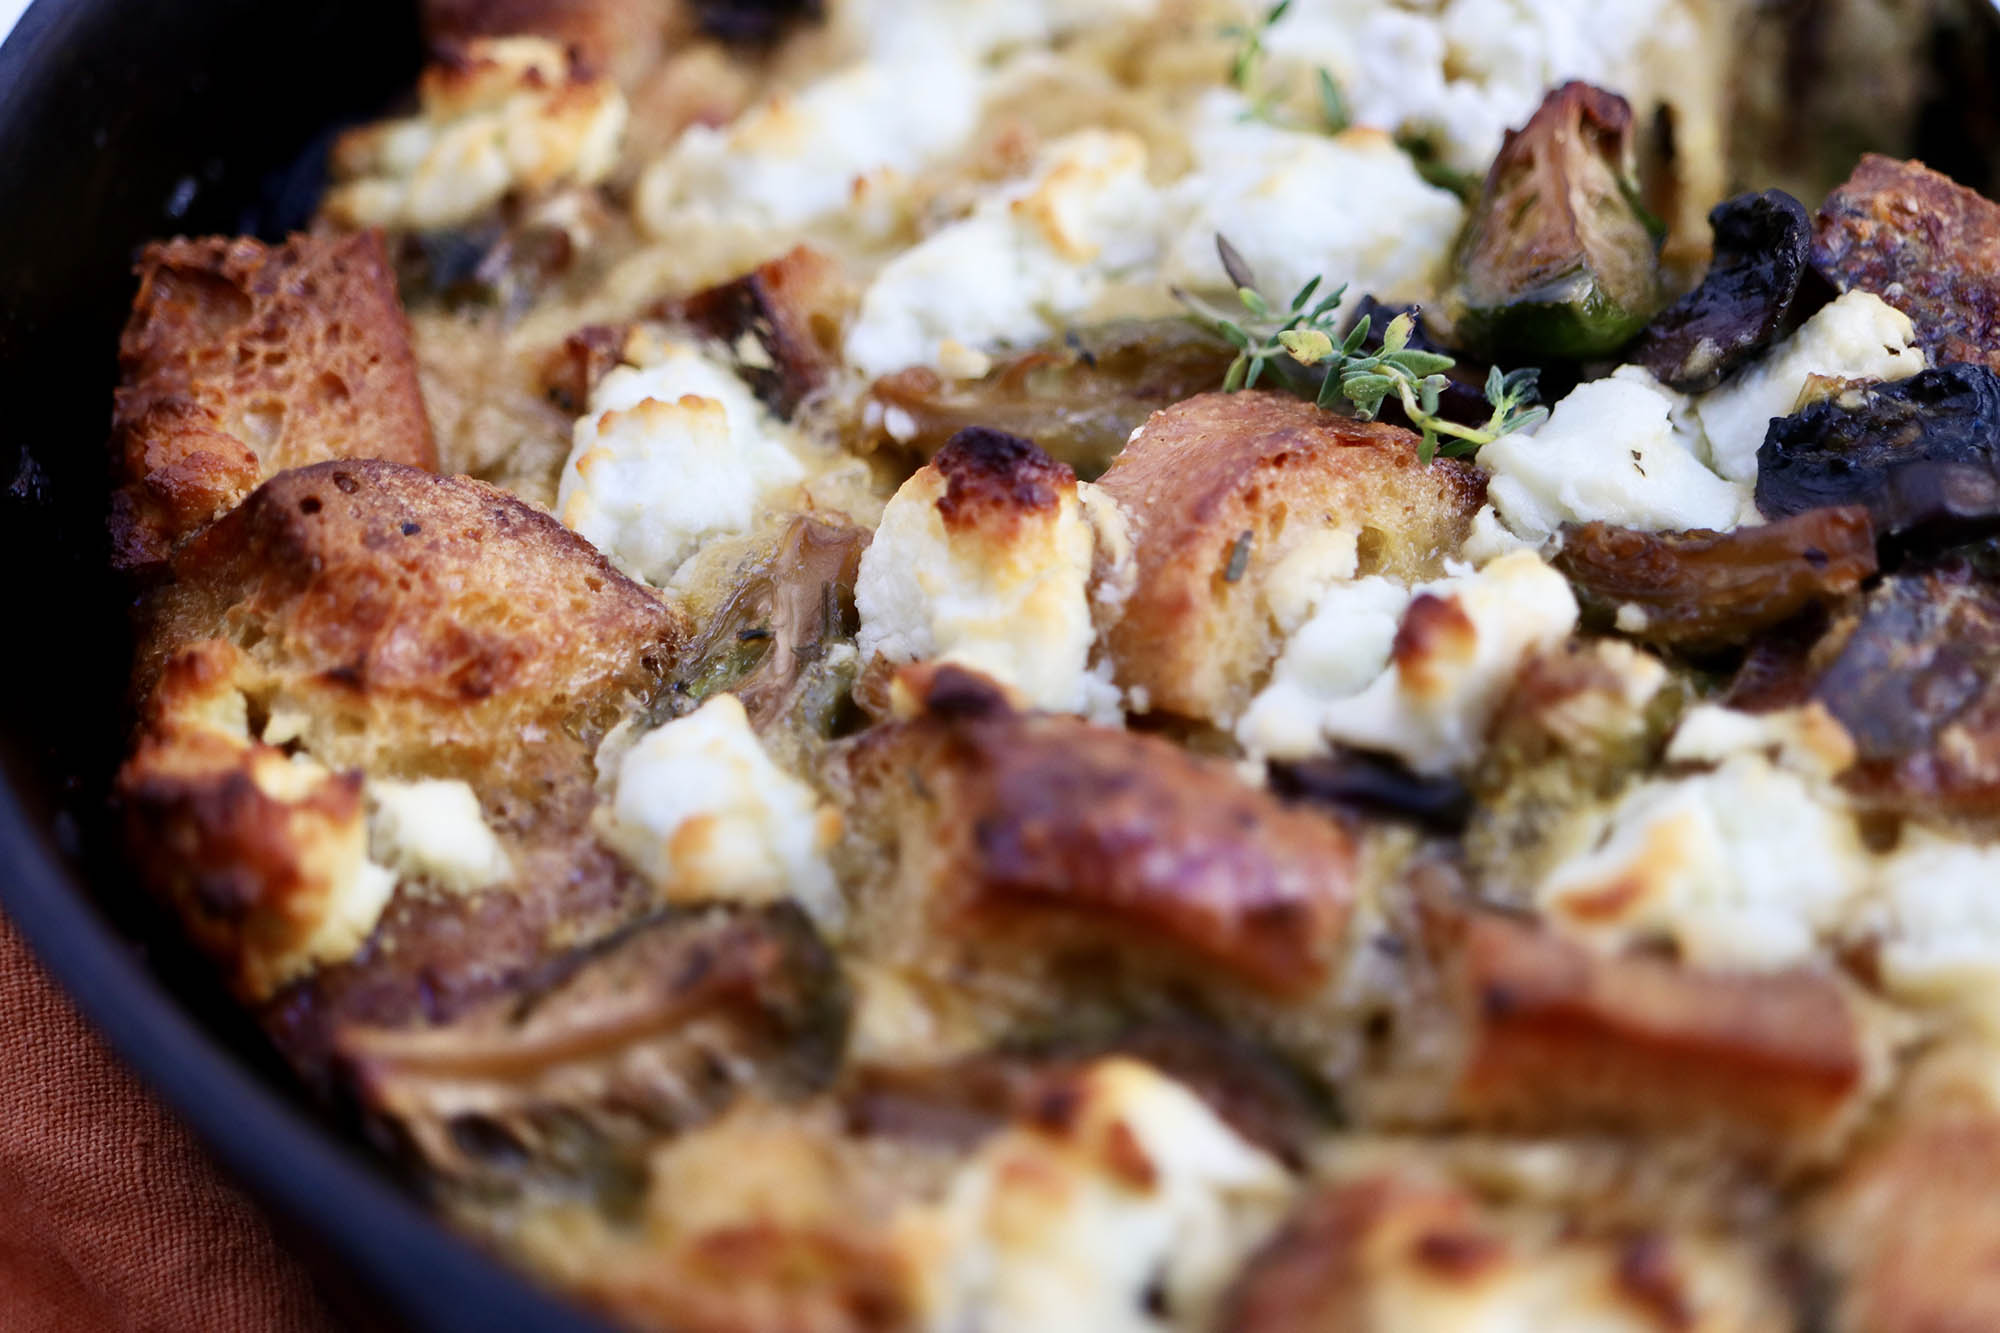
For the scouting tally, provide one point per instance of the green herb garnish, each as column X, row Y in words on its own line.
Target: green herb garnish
column 1247, row 75
column 1305, row 335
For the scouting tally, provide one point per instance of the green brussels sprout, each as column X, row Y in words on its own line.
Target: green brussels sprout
column 1558, row 257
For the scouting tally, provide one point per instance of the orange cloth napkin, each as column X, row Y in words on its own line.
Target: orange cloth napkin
column 111, row 1218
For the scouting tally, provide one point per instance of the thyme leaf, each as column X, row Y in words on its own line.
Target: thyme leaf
column 1351, row 378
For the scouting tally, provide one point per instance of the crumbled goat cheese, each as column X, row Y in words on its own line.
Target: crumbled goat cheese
column 1297, row 205
column 1414, row 673
column 433, row 830
column 511, row 117
column 1012, row 599
column 1029, row 256
column 700, row 809
column 668, row 456
column 847, row 144
column 1129, row 1218
column 1858, row 336
column 1610, row 452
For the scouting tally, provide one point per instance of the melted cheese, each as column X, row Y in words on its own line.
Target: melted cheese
column 1130, row 1218
column 1030, row 256
column 511, row 116
column 433, row 830
column 698, row 807
column 669, row 456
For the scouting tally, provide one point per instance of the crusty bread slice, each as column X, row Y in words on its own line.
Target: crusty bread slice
column 1221, row 489
column 241, row 360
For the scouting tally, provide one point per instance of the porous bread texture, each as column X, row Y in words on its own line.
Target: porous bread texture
column 241, row 360
column 367, row 616
column 1221, row 491
column 415, row 625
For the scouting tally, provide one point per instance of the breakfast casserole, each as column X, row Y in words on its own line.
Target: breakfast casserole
column 1009, row 666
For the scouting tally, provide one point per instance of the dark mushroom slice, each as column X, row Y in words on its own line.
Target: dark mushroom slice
column 1921, row 454
column 1916, row 682
column 768, row 644
column 614, row 1045
column 1763, row 245
column 1924, row 244
column 1080, row 398
column 754, row 22
column 1559, row 258
column 1358, row 782
column 782, row 323
column 1704, row 590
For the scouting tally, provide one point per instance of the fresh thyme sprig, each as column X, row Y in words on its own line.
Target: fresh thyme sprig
column 1305, row 335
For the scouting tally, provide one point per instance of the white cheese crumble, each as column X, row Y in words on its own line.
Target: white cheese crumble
column 1030, row 255
column 700, row 810
column 433, row 830
column 511, row 117
column 977, row 29
column 1746, row 865
column 1467, row 71
column 1857, row 336
column 1429, row 703
column 1938, row 926
column 1297, row 205
column 1131, row 1217
column 837, row 146
column 1011, row 599
column 1610, row 452
column 668, row 456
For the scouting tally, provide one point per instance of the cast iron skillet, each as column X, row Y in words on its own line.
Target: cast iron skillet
column 122, row 120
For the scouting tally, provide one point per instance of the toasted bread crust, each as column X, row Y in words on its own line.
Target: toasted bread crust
column 1562, row 1038
column 1924, row 244
column 1200, row 476
column 1023, row 817
column 241, row 360
column 424, row 624
column 1913, row 1230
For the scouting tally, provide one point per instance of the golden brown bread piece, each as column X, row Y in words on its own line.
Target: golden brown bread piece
column 1262, row 474
column 1561, row 1038
column 1382, row 1254
column 1924, row 244
column 373, row 616
column 415, row 625
column 1037, row 823
column 264, row 858
column 1912, row 1232
column 242, row 360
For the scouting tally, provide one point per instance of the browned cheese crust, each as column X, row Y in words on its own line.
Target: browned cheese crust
column 1559, row 1038
column 241, row 360
column 1040, row 821
column 1924, row 244
column 1259, row 473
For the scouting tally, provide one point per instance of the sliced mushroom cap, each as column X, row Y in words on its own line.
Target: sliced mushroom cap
column 1080, row 398
column 1707, row 590
column 616, row 1044
column 1763, row 245
column 1922, row 455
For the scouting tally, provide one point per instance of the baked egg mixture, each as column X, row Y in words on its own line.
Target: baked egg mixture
column 1011, row 666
